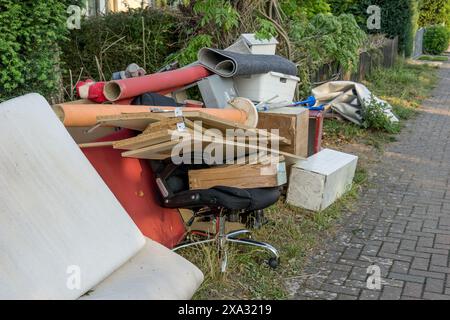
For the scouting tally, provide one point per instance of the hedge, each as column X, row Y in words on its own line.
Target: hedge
column 106, row 44
column 30, row 31
column 398, row 18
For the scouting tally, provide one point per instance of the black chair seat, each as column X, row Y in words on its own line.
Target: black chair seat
column 225, row 197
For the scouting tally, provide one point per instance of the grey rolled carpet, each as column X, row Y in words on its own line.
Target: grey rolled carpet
column 230, row 64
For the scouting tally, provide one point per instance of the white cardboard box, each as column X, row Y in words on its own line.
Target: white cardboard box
column 317, row 182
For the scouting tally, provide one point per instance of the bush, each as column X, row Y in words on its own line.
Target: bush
column 436, row 40
column 434, row 12
column 375, row 117
column 145, row 37
column 29, row 52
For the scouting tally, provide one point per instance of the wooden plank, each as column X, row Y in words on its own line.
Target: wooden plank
column 168, row 123
column 209, row 121
column 144, row 140
column 212, row 122
column 151, row 120
column 239, row 176
column 152, row 152
column 166, row 147
column 96, row 144
column 133, row 121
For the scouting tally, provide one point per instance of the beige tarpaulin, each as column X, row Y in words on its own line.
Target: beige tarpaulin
column 349, row 99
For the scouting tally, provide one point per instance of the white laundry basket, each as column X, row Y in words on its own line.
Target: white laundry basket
column 262, row 87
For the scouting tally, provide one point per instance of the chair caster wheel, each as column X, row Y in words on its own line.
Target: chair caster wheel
column 273, row 262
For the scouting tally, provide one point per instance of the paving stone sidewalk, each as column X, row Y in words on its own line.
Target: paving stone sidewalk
column 402, row 223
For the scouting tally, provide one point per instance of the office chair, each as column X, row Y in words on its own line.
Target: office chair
column 220, row 203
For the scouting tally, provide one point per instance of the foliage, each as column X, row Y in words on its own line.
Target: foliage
column 436, row 39
column 398, row 18
column 189, row 53
column 266, row 29
column 433, row 58
column 310, row 8
column 29, row 32
column 218, row 23
column 205, row 23
column 434, row 12
column 339, row 7
column 324, row 39
column 375, row 117
column 220, row 13
column 142, row 36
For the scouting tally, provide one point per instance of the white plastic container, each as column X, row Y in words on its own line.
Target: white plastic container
column 265, row 86
column 266, row 46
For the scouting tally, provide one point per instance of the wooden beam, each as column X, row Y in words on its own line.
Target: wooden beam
column 96, row 144
column 239, row 176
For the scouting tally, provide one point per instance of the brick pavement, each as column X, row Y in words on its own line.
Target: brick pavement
column 402, row 223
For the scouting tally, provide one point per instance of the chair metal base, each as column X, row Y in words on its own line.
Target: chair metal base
column 223, row 238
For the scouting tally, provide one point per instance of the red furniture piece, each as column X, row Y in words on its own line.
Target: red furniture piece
column 315, row 132
column 133, row 183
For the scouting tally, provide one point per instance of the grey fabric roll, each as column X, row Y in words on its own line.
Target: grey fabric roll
column 229, row 64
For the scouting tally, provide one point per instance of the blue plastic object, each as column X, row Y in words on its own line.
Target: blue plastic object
column 309, row 102
column 319, row 108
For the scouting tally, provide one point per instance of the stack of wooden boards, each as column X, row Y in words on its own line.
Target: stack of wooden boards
column 165, row 133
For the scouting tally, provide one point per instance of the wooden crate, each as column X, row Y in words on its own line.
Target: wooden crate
column 292, row 123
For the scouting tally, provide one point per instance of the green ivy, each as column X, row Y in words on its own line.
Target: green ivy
column 29, row 36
